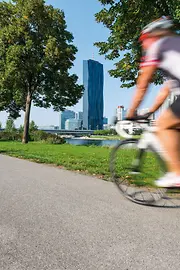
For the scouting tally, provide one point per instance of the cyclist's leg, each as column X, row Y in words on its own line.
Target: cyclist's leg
column 170, row 137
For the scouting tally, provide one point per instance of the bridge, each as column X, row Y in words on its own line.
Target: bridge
column 76, row 133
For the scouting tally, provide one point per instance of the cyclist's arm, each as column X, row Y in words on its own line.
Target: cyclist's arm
column 146, row 75
column 161, row 97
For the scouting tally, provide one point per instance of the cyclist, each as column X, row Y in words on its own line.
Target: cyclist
column 162, row 51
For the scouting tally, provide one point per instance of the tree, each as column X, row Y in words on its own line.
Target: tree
column 33, row 126
column 36, row 54
column 21, row 128
column 125, row 20
column 0, row 125
column 10, row 126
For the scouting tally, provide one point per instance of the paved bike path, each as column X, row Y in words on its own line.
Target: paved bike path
column 55, row 219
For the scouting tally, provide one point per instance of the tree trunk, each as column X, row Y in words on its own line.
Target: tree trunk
column 26, row 119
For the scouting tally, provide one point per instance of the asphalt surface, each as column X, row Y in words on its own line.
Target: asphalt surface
column 55, row 219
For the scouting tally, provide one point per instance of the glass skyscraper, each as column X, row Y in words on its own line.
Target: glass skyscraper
column 105, row 120
column 79, row 115
column 93, row 103
column 67, row 114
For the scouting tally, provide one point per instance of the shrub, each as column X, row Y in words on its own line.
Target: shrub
column 105, row 132
column 10, row 136
column 37, row 135
column 40, row 135
column 55, row 139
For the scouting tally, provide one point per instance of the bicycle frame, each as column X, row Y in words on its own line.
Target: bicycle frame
column 148, row 138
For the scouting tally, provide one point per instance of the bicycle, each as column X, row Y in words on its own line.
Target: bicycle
column 135, row 163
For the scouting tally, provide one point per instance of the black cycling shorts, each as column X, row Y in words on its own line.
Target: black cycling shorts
column 175, row 107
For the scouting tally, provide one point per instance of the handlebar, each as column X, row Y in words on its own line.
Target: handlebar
column 144, row 117
column 140, row 119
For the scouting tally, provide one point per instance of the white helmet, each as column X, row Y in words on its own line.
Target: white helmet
column 162, row 23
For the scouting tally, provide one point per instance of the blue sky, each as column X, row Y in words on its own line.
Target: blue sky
column 81, row 22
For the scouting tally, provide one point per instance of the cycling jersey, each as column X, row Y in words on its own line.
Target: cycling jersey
column 165, row 54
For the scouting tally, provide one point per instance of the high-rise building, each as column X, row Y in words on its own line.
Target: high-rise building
column 120, row 113
column 79, row 115
column 73, row 124
column 106, row 126
column 93, row 103
column 105, row 120
column 67, row 114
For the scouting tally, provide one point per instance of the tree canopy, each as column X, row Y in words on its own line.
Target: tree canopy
column 125, row 20
column 36, row 55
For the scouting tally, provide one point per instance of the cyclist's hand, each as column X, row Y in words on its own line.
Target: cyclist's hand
column 145, row 116
column 131, row 115
column 133, row 118
column 139, row 117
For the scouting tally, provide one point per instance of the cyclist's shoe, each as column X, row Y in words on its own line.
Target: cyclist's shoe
column 169, row 180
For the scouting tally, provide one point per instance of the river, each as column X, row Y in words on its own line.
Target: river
column 97, row 142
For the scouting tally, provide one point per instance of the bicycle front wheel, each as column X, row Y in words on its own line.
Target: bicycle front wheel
column 134, row 171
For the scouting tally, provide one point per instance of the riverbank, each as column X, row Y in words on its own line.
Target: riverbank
column 108, row 137
column 91, row 160
column 99, row 137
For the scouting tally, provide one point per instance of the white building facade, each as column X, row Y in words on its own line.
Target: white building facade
column 73, row 124
column 121, row 113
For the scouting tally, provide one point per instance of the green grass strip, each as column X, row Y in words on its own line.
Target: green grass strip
column 92, row 160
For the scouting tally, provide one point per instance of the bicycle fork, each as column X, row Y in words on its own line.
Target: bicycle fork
column 148, row 140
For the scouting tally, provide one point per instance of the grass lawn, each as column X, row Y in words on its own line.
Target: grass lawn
column 92, row 160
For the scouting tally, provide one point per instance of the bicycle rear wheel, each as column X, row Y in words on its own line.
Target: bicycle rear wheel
column 134, row 171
